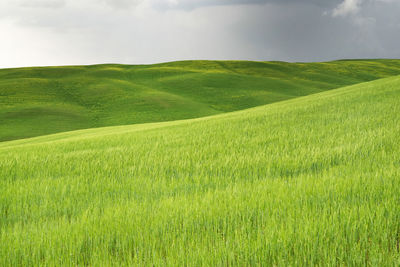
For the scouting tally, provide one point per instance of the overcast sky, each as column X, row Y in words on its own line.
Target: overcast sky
column 65, row 32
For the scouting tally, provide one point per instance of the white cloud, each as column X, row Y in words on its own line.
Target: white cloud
column 42, row 3
column 123, row 3
column 347, row 7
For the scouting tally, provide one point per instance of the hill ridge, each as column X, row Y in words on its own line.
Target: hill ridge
column 45, row 100
column 160, row 125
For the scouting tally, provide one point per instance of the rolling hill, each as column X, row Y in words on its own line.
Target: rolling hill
column 40, row 101
column 307, row 181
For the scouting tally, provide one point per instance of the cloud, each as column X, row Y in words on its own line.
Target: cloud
column 347, row 7
column 178, row 4
column 195, row 4
column 42, row 3
column 151, row 31
column 189, row 5
column 123, row 3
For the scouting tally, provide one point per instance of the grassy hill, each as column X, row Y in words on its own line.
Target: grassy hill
column 308, row 181
column 39, row 101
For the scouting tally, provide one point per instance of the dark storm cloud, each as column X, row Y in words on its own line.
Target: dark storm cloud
column 307, row 32
column 55, row 32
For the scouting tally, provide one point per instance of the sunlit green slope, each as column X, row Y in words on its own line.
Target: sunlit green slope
column 309, row 181
column 39, row 101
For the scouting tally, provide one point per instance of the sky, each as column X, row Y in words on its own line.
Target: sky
column 75, row 32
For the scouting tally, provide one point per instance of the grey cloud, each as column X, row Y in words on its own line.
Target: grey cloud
column 179, row 4
column 101, row 31
column 194, row 4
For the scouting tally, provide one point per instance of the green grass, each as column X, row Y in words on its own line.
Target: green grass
column 308, row 181
column 40, row 101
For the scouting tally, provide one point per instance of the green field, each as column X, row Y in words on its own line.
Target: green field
column 307, row 181
column 40, row 101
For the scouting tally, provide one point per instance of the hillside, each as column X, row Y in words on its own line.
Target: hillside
column 39, row 101
column 303, row 182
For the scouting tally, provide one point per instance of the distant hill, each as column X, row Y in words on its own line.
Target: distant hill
column 40, row 101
